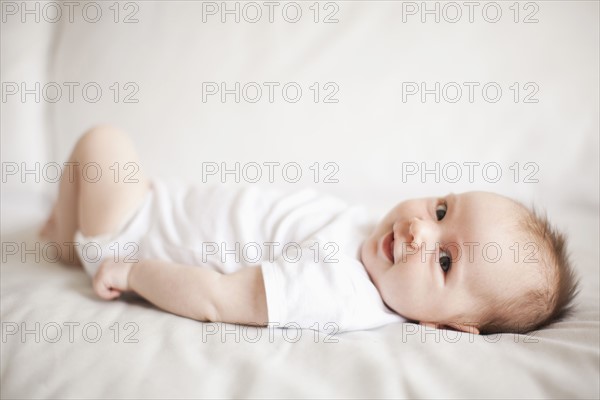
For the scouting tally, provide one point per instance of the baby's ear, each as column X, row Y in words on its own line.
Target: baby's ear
column 430, row 325
column 465, row 328
column 457, row 327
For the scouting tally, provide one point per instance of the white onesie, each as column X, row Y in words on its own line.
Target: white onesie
column 307, row 244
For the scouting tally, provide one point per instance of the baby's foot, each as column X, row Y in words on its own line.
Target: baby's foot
column 48, row 231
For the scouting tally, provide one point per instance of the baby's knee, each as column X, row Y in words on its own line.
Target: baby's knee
column 100, row 138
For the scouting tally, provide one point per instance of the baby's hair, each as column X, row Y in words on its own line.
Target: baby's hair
column 547, row 303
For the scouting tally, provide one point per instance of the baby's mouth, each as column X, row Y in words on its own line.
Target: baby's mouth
column 387, row 246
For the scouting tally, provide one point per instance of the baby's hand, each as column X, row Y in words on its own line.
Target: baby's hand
column 112, row 279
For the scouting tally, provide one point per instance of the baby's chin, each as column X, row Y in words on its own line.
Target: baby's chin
column 368, row 255
column 364, row 256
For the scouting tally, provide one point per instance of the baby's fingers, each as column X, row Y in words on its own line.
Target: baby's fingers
column 105, row 292
column 102, row 285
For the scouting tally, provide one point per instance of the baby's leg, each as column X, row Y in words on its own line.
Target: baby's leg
column 96, row 204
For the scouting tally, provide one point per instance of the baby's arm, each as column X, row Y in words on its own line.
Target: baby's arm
column 198, row 293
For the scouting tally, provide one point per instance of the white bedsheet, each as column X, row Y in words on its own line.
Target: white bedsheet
column 176, row 357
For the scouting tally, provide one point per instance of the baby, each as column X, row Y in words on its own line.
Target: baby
column 475, row 262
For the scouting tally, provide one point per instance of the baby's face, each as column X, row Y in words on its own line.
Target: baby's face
column 434, row 259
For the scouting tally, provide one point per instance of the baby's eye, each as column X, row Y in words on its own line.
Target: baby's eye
column 440, row 211
column 445, row 261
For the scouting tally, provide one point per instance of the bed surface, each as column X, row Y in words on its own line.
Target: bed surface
column 158, row 355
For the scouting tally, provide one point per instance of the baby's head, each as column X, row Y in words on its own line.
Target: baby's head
column 477, row 262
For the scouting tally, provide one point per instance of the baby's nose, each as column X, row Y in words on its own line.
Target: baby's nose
column 420, row 231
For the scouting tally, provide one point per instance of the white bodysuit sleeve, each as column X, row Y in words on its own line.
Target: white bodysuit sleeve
column 320, row 287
